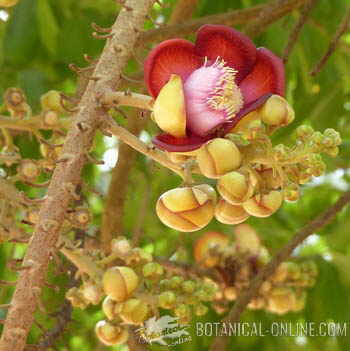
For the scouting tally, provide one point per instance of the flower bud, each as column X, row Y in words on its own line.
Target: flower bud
column 218, row 157
column 183, row 312
column 264, row 205
column 332, row 151
column 8, row 3
column 256, row 303
column 52, row 101
column 152, row 270
column 120, row 282
column 230, row 214
column 120, row 246
column 175, row 282
column 304, row 132
column 185, row 209
column 28, row 170
column 206, row 247
column 109, row 308
column 265, row 287
column 169, row 110
column 76, row 298
column 293, row 271
column 281, row 300
column 50, row 118
column 167, row 300
column 247, row 239
column 93, row 292
column 188, row 286
column 200, row 309
column 299, row 302
column 276, row 111
column 230, row 293
column 236, row 187
column 138, row 256
column 133, row 311
column 111, row 334
column 16, row 103
column 80, row 218
column 281, row 273
column 291, row 192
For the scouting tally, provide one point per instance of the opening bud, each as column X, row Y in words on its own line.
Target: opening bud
column 120, row 282
column 110, row 334
column 169, row 110
column 276, row 111
column 218, row 157
column 264, row 205
column 236, row 187
column 230, row 214
column 109, row 308
column 186, row 209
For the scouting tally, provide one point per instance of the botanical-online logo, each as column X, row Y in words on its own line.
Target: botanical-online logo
column 159, row 330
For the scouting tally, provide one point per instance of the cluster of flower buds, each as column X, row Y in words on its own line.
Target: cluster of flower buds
column 253, row 177
column 240, row 261
column 133, row 288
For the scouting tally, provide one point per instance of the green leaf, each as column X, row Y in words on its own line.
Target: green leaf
column 47, row 26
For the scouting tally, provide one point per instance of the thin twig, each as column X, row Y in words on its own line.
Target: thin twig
column 343, row 27
column 294, row 35
column 243, row 300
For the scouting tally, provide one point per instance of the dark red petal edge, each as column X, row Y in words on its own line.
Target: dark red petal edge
column 266, row 77
column 236, row 49
column 175, row 56
column 245, row 110
column 170, row 143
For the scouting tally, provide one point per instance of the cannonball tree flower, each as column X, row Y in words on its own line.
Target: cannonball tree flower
column 203, row 90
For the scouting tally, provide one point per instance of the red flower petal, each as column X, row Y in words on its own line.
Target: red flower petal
column 243, row 112
column 237, row 50
column 170, row 143
column 175, row 56
column 266, row 77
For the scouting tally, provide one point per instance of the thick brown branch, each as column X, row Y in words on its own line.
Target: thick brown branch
column 90, row 113
column 319, row 222
column 294, row 35
column 343, row 27
column 232, row 18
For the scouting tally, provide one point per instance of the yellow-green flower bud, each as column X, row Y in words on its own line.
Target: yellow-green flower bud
column 167, row 300
column 152, row 270
column 200, row 309
column 188, row 286
column 121, row 246
column 52, row 101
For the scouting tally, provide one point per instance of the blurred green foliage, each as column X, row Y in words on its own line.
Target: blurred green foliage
column 41, row 37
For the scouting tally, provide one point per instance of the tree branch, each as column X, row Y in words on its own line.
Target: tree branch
column 90, row 113
column 232, row 18
column 294, row 35
column 183, row 10
column 343, row 27
column 243, row 300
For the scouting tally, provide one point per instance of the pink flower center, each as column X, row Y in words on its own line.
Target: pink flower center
column 212, row 97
